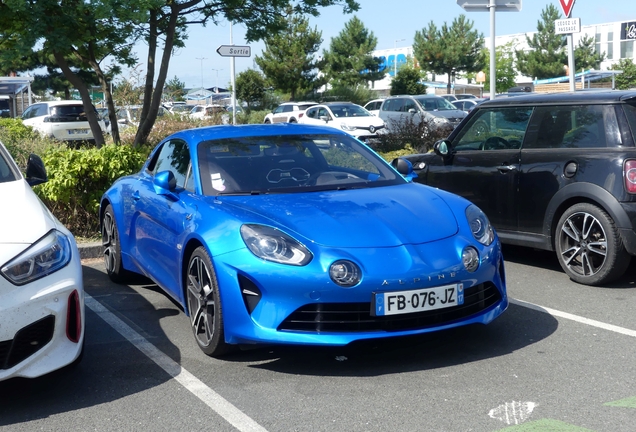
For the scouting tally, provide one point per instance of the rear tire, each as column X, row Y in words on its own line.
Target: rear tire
column 589, row 246
column 112, row 249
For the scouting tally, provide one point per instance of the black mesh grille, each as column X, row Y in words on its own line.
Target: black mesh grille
column 27, row 341
column 356, row 317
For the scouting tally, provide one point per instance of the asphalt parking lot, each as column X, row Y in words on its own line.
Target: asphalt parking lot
column 560, row 359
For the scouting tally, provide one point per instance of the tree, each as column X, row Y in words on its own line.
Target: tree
column 288, row 61
column 407, row 80
column 504, row 64
column 547, row 55
column 585, row 55
column 626, row 80
column 175, row 89
column 250, row 87
column 349, row 62
column 451, row 49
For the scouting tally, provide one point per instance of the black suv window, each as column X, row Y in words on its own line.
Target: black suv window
column 582, row 126
column 494, row 129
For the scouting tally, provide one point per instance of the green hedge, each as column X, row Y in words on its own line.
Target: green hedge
column 78, row 178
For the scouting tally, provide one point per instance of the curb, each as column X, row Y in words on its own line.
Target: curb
column 90, row 250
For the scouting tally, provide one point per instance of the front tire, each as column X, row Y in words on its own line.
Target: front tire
column 112, row 249
column 204, row 305
column 589, row 246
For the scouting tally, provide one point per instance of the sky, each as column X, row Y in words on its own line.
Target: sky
column 393, row 22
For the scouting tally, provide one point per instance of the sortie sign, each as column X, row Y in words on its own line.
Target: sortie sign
column 234, row 51
column 566, row 5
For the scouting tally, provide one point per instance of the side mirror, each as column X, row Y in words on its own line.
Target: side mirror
column 324, row 118
column 442, row 148
column 35, row 171
column 165, row 183
column 412, row 111
column 404, row 167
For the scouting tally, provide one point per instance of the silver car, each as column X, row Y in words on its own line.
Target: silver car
column 435, row 110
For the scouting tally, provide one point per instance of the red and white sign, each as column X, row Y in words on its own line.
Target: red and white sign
column 566, row 5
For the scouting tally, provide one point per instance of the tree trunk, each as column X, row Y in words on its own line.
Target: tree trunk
column 108, row 96
column 77, row 82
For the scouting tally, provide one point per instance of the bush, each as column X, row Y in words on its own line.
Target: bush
column 418, row 135
column 22, row 140
column 79, row 177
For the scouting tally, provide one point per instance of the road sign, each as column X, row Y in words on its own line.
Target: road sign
column 566, row 5
column 234, row 51
column 567, row 26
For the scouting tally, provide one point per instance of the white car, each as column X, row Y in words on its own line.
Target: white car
column 348, row 117
column 61, row 120
column 129, row 115
column 288, row 112
column 41, row 288
column 373, row 106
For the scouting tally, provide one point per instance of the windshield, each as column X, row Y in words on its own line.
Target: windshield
column 435, row 104
column 349, row 110
column 287, row 164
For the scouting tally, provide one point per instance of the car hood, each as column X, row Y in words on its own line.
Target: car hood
column 375, row 217
column 24, row 221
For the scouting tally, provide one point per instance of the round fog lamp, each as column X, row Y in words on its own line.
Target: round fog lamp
column 345, row 273
column 470, row 259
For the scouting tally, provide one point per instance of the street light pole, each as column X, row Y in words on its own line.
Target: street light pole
column 217, row 78
column 395, row 59
column 201, row 58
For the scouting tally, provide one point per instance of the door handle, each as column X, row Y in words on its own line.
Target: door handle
column 506, row 168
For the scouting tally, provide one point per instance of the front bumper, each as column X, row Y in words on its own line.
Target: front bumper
column 38, row 321
column 333, row 315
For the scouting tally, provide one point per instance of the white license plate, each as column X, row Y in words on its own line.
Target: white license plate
column 77, row 131
column 404, row 302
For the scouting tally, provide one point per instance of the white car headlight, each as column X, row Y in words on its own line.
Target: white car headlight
column 274, row 245
column 347, row 127
column 480, row 225
column 47, row 255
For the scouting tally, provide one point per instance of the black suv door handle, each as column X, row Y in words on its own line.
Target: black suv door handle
column 506, row 168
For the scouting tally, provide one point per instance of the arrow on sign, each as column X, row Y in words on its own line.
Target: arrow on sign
column 566, row 5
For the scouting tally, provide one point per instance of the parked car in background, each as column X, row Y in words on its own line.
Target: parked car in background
column 5, row 106
column 461, row 96
column 347, row 116
column 180, row 109
column 206, row 111
column 299, row 235
column 41, row 287
column 449, row 97
column 467, row 104
column 435, row 110
column 552, row 171
column 129, row 116
column 103, row 115
column 374, row 106
column 61, row 120
column 288, row 112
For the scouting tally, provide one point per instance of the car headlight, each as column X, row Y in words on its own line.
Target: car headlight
column 49, row 254
column 274, row 245
column 347, row 127
column 479, row 225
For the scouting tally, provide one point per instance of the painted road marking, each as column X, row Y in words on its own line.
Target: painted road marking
column 221, row 406
column 582, row 320
column 513, row 412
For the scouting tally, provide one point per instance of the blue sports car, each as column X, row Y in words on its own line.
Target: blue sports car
column 302, row 235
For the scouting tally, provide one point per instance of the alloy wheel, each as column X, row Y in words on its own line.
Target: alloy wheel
column 201, row 301
column 583, row 244
column 109, row 242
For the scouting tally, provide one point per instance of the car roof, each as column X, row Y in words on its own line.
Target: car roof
column 299, row 103
column 608, row 96
column 63, row 102
column 196, row 135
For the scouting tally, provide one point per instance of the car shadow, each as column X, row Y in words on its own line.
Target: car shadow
column 111, row 368
column 517, row 329
column 548, row 260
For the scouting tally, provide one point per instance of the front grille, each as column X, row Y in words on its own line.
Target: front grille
column 27, row 342
column 356, row 317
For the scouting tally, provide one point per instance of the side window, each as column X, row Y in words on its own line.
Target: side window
column 323, row 112
column 288, row 108
column 311, row 113
column 494, row 129
column 27, row 113
column 278, row 110
column 582, row 126
column 408, row 104
column 174, row 156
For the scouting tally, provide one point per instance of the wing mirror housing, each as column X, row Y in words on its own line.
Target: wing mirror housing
column 404, row 167
column 443, row 148
column 35, row 171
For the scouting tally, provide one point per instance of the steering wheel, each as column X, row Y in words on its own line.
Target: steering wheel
column 495, row 143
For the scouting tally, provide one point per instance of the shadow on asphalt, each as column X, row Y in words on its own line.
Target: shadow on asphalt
column 102, row 376
column 548, row 260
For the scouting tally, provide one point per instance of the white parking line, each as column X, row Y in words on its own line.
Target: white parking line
column 225, row 409
column 582, row 320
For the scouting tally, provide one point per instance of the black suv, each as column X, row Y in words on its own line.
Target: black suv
column 552, row 171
